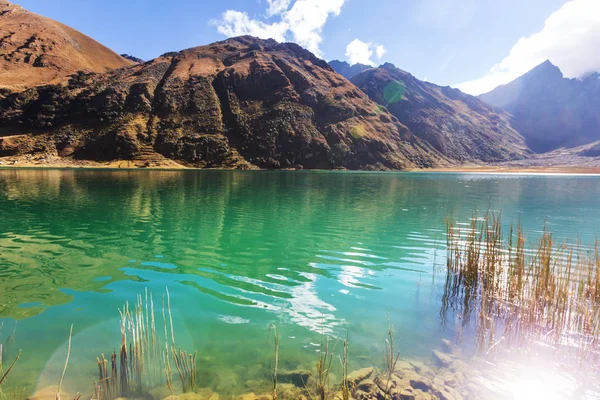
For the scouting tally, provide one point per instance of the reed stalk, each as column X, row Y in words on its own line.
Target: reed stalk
column 324, row 360
column 62, row 377
column 344, row 362
column 143, row 362
column 5, row 374
column 517, row 295
column 276, row 337
column 390, row 357
column 186, row 366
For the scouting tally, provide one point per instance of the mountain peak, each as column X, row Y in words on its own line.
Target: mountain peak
column 37, row 50
column 388, row 65
column 346, row 70
column 546, row 69
column 457, row 125
column 552, row 111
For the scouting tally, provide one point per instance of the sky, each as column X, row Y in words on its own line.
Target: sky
column 474, row 45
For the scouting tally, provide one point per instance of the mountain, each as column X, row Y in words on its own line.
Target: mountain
column 551, row 111
column 36, row 50
column 242, row 102
column 347, row 70
column 458, row 125
column 132, row 58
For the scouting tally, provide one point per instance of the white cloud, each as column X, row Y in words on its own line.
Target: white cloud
column 359, row 52
column 236, row 23
column 303, row 22
column 570, row 39
column 277, row 7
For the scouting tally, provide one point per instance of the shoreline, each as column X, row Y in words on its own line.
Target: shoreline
column 171, row 165
column 517, row 170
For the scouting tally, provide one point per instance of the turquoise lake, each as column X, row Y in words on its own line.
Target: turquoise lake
column 313, row 252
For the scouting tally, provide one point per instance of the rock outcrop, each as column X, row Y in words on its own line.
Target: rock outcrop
column 458, row 125
column 35, row 50
column 242, row 102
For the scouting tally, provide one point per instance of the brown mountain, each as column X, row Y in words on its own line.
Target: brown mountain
column 458, row 125
column 36, row 50
column 240, row 102
column 550, row 110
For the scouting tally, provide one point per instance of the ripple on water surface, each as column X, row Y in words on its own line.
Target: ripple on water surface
column 314, row 252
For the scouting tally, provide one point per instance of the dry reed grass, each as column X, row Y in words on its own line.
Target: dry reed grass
column 517, row 295
column 145, row 357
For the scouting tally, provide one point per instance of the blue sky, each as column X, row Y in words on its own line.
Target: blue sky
column 449, row 42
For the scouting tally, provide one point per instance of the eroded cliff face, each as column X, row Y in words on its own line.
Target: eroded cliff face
column 458, row 125
column 242, row 102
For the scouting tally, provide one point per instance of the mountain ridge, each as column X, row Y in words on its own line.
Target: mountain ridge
column 243, row 102
column 36, row 50
column 551, row 111
column 346, row 70
column 458, row 125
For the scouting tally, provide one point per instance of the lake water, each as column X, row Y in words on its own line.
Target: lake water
column 313, row 252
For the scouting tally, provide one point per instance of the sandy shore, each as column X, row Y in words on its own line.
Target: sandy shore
column 57, row 162
column 166, row 164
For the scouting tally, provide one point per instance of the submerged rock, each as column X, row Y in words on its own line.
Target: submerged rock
column 360, row 374
column 296, row 377
column 447, row 393
column 421, row 383
column 442, row 359
column 443, row 377
column 252, row 396
column 366, row 385
column 450, row 347
column 285, row 391
column 160, row 393
column 408, row 394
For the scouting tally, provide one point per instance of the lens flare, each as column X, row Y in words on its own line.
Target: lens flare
column 394, row 92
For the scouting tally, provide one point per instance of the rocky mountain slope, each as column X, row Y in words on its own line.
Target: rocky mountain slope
column 242, row 102
column 36, row 50
column 551, row 111
column 347, row 70
column 458, row 125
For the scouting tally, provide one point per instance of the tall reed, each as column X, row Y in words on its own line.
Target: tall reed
column 324, row 360
column 62, row 377
column 345, row 388
column 390, row 357
column 4, row 374
column 517, row 295
column 143, row 362
column 276, row 337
